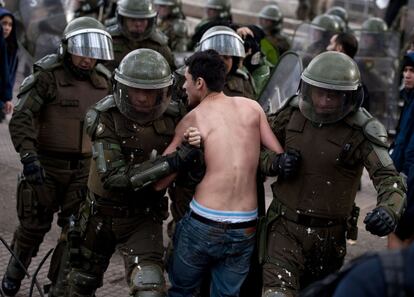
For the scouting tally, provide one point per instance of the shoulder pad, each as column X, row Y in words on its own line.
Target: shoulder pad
column 47, row 62
column 358, row 118
column 242, row 73
column 175, row 109
column 105, row 103
column 372, row 128
column 100, row 68
column 27, row 83
column 92, row 115
column 293, row 101
column 180, row 28
column 376, row 132
column 114, row 30
column 159, row 37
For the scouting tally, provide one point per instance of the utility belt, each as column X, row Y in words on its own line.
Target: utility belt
column 306, row 220
column 223, row 225
column 66, row 164
column 116, row 211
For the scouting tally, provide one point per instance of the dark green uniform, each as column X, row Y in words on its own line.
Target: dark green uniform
column 48, row 122
column 123, row 219
column 177, row 32
column 307, row 220
column 239, row 84
column 122, row 46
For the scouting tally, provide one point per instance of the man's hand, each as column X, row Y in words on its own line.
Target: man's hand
column 244, row 31
column 286, row 165
column 8, row 107
column 33, row 170
column 380, row 222
column 193, row 137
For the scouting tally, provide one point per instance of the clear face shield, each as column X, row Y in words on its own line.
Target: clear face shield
column 92, row 44
column 224, row 43
column 324, row 106
column 141, row 105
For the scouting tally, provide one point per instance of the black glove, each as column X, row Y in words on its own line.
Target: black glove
column 117, row 182
column 33, row 170
column 185, row 158
column 286, row 165
column 380, row 222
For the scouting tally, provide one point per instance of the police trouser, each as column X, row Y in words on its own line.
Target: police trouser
column 136, row 234
column 63, row 190
column 301, row 252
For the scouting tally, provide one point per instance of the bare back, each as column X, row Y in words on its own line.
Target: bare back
column 230, row 127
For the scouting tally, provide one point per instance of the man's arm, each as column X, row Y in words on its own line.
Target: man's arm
column 180, row 132
column 267, row 137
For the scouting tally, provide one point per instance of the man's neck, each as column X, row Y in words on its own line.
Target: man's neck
column 211, row 95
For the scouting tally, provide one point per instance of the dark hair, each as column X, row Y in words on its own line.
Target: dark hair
column 209, row 66
column 349, row 43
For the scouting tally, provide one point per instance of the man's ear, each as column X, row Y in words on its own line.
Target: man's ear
column 200, row 83
column 340, row 48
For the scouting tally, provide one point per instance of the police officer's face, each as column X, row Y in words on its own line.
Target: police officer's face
column 408, row 75
column 326, row 101
column 7, row 24
column 84, row 63
column 212, row 13
column 163, row 11
column 228, row 62
column 137, row 26
column 265, row 23
column 142, row 100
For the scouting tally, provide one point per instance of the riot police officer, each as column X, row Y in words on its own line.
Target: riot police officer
column 378, row 61
column 230, row 46
column 271, row 21
column 217, row 14
column 119, row 213
column 312, row 39
column 306, row 224
column 341, row 13
column 136, row 28
column 47, row 131
column 171, row 23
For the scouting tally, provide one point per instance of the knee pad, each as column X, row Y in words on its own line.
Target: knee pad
column 147, row 281
column 83, row 284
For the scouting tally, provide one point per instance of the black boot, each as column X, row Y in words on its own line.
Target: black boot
column 10, row 286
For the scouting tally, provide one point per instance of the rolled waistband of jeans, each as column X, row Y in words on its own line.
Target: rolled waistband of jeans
column 223, row 225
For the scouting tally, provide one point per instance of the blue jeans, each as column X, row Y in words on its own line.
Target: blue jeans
column 200, row 249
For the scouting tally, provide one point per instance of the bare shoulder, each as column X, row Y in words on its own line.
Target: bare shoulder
column 189, row 120
column 247, row 103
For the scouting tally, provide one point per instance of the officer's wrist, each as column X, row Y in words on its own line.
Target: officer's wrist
column 24, row 153
column 28, row 157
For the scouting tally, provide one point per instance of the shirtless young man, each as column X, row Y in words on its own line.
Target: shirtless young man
column 217, row 236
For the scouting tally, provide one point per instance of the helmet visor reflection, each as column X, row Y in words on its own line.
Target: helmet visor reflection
column 224, row 44
column 92, row 45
